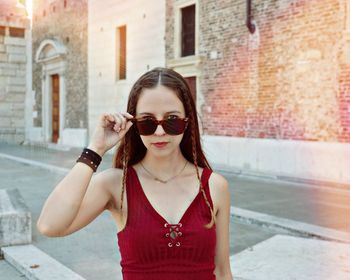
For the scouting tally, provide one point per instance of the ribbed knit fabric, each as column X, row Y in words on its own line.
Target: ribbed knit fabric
column 152, row 249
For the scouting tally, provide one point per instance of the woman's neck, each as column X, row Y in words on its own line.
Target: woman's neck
column 164, row 166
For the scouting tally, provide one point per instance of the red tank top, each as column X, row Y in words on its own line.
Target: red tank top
column 153, row 249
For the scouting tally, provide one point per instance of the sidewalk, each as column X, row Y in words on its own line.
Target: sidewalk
column 97, row 243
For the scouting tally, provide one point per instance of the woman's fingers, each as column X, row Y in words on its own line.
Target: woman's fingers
column 128, row 115
column 110, row 129
column 107, row 119
column 120, row 120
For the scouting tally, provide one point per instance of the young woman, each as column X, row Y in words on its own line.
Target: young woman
column 171, row 210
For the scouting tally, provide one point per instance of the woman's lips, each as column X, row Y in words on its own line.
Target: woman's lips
column 160, row 144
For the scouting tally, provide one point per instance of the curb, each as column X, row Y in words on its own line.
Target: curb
column 36, row 163
column 303, row 182
column 37, row 265
column 287, row 226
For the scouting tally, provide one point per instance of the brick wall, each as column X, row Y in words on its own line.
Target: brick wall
column 52, row 20
column 288, row 80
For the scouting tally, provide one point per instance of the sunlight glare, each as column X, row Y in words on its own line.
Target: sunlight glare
column 29, row 7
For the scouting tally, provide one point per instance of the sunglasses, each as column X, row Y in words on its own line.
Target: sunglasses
column 172, row 126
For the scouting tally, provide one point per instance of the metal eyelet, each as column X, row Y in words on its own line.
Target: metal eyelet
column 180, row 233
column 180, row 224
column 167, row 234
column 170, row 245
column 166, row 225
column 177, row 244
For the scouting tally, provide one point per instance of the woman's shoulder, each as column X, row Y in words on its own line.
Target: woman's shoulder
column 219, row 189
column 111, row 174
column 217, row 179
column 114, row 176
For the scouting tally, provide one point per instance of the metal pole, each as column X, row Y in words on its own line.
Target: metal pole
column 249, row 23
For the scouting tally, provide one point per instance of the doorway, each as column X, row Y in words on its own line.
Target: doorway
column 55, row 82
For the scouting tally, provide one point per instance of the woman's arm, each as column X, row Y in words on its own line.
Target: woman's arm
column 222, row 255
column 78, row 198
column 75, row 201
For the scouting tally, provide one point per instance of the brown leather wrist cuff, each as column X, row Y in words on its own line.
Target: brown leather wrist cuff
column 90, row 158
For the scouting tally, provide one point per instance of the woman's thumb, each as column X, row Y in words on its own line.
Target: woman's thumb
column 128, row 125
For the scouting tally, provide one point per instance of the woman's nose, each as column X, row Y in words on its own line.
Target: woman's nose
column 159, row 130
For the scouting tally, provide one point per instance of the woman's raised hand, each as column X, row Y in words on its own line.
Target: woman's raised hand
column 110, row 129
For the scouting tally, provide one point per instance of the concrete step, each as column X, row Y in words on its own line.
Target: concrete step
column 15, row 219
column 37, row 265
column 15, row 239
column 289, row 258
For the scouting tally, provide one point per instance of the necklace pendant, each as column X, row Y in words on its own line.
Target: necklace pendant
column 159, row 180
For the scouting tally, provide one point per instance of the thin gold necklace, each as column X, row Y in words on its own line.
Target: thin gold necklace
column 160, row 180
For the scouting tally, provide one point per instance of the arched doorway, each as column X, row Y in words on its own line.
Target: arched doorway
column 51, row 56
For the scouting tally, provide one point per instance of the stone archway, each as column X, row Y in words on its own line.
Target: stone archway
column 51, row 56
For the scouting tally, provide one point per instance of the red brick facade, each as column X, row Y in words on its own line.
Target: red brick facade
column 288, row 80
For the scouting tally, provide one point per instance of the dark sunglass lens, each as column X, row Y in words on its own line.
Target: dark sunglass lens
column 146, row 127
column 174, row 126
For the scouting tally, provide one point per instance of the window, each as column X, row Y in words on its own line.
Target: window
column 121, row 53
column 188, row 25
column 2, row 30
column 17, row 32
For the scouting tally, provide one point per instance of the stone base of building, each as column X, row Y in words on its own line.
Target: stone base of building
column 12, row 135
column 70, row 137
column 300, row 161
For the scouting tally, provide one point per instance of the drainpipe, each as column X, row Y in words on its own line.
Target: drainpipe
column 250, row 25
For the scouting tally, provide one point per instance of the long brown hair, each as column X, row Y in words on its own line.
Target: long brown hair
column 131, row 149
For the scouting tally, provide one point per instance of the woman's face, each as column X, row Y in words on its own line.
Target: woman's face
column 160, row 102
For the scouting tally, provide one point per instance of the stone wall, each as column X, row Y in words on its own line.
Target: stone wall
column 65, row 21
column 145, row 49
column 13, row 62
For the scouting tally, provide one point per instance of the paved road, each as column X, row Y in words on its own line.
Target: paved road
column 7, row 272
